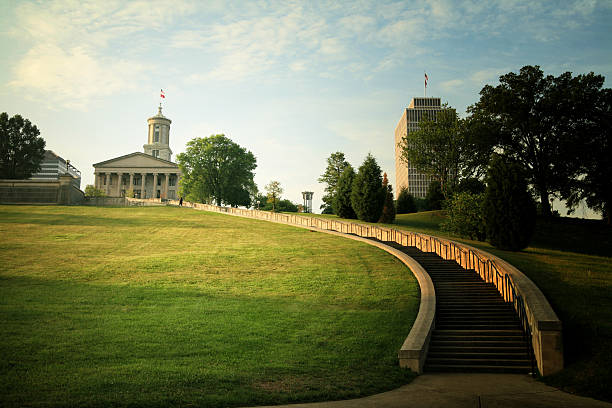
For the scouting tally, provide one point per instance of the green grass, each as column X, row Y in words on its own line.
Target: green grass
column 570, row 262
column 107, row 307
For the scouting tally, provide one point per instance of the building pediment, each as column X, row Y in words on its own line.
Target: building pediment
column 135, row 160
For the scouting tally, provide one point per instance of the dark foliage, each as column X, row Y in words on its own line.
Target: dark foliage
column 509, row 210
column 405, row 202
column 388, row 211
column 335, row 166
column 21, row 148
column 434, row 196
column 471, row 185
column 368, row 195
column 342, row 200
column 464, row 213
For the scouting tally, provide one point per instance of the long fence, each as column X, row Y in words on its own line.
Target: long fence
column 540, row 323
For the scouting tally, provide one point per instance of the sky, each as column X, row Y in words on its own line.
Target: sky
column 290, row 81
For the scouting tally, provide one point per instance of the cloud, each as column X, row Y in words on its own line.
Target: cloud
column 451, row 84
column 71, row 77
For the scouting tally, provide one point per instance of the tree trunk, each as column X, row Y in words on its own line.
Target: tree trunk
column 545, row 205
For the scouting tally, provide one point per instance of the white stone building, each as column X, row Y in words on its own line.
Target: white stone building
column 151, row 174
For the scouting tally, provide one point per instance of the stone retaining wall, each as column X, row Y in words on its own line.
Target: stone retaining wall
column 545, row 326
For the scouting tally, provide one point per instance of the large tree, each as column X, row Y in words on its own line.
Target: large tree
column 21, row 148
column 539, row 121
column 447, row 148
column 594, row 184
column 342, row 200
column 368, row 194
column 336, row 164
column 217, row 169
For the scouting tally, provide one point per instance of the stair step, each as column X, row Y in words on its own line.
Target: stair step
column 478, row 369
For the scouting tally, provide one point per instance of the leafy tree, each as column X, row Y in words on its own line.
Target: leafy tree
column 594, row 185
column 287, row 206
column 21, row 148
column 367, row 193
column 217, row 169
column 388, row 211
column 405, row 202
column 91, row 191
column 335, row 166
column 434, row 196
column 274, row 191
column 539, row 120
column 342, row 200
column 464, row 213
column 509, row 210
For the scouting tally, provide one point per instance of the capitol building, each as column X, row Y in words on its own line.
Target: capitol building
column 151, row 174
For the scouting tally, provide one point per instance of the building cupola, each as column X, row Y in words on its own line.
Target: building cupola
column 158, row 138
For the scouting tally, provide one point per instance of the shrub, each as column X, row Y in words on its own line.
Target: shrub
column 405, row 202
column 465, row 216
column 368, row 195
column 388, row 211
column 91, row 191
column 342, row 200
column 509, row 209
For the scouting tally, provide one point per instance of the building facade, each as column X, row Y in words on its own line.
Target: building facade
column 53, row 166
column 151, row 174
column 406, row 175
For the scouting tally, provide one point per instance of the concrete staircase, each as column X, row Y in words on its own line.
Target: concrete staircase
column 475, row 330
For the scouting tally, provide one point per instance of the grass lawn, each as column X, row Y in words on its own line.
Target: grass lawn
column 107, row 307
column 570, row 261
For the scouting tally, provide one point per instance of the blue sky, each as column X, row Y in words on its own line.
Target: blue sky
column 290, row 81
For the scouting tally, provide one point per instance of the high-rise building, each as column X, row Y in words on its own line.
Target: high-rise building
column 406, row 175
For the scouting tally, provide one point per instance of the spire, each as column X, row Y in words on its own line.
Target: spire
column 159, row 112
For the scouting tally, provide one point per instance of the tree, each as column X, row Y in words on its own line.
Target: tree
column 218, row 170
column 539, row 121
column 91, row 191
column 388, row 211
column 21, row 148
column 405, row 202
column 434, row 196
column 594, row 184
column 342, row 200
column 464, row 212
column 509, row 210
column 446, row 149
column 274, row 191
column 367, row 193
column 335, row 166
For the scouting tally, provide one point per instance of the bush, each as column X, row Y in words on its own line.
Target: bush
column 405, row 202
column 368, row 195
column 465, row 216
column 434, row 196
column 342, row 200
column 471, row 185
column 388, row 211
column 509, row 209
column 91, row 191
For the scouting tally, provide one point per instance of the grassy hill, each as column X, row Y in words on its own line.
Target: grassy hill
column 169, row 306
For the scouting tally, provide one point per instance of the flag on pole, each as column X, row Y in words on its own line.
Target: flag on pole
column 161, row 94
column 426, row 78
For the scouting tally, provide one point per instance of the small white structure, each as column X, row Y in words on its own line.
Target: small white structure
column 307, row 195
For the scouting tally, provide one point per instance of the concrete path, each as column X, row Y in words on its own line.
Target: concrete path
column 469, row 391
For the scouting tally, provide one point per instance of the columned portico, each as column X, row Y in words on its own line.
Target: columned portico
column 155, row 161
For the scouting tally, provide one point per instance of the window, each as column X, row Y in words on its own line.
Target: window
column 172, row 180
column 155, row 153
column 156, row 135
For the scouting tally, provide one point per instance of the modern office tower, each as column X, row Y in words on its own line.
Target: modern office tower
column 405, row 174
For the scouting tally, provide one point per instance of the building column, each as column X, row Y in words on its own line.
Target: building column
column 107, row 183
column 119, row 181
column 166, row 185
column 143, row 190
column 154, row 195
column 132, row 182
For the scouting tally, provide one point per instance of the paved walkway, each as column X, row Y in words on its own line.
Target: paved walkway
column 468, row 390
